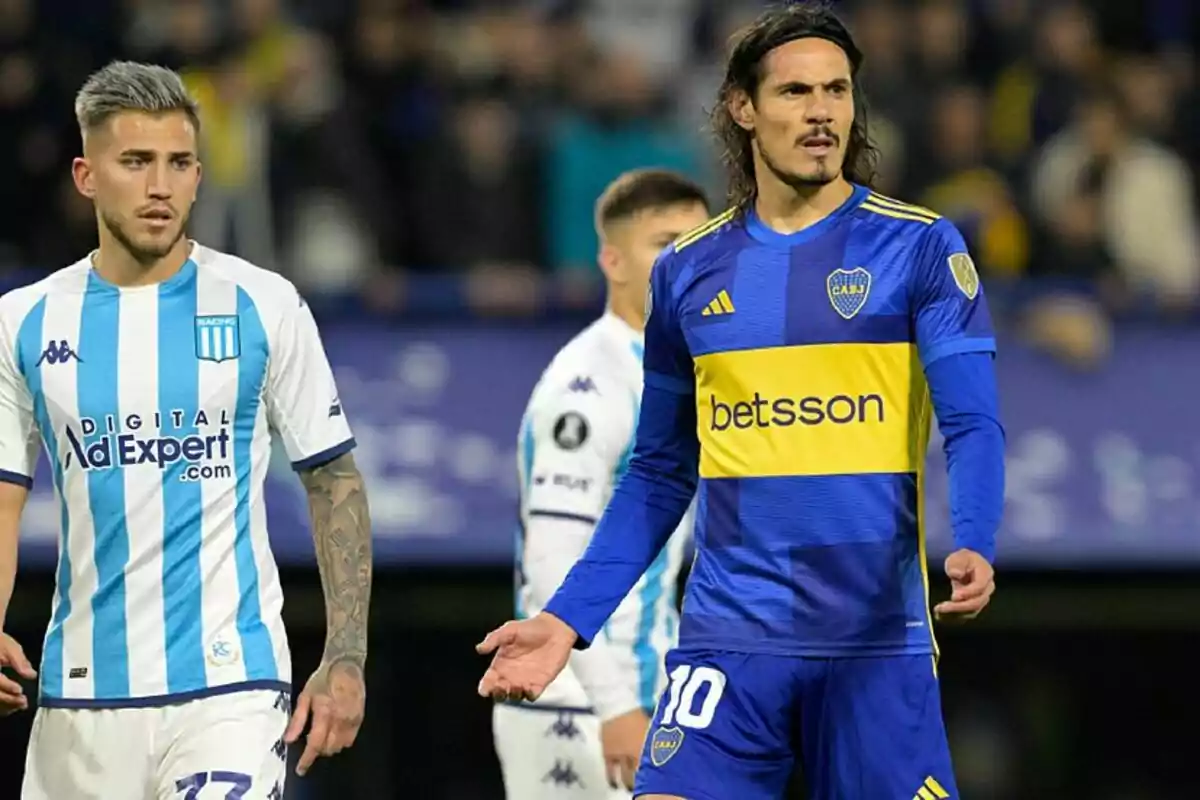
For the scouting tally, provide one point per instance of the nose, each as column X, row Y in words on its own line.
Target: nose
column 818, row 112
column 159, row 184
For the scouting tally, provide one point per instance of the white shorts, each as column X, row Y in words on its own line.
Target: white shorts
column 232, row 743
column 547, row 754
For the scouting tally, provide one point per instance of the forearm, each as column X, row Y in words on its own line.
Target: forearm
column 12, row 503
column 644, row 511
column 965, row 400
column 341, row 521
column 8, row 567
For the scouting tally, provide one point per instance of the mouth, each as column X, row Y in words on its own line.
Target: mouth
column 157, row 217
column 818, row 145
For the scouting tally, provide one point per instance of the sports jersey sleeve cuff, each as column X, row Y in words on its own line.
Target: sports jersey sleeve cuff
column 952, row 347
column 668, row 383
column 15, row 477
column 583, row 636
column 568, row 516
column 325, row 456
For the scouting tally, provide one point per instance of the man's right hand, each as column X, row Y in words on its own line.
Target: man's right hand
column 12, row 696
column 622, row 739
column 529, row 655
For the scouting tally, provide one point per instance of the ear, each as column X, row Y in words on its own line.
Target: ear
column 741, row 109
column 81, row 171
column 611, row 263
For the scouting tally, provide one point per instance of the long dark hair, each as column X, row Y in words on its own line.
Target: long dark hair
column 743, row 72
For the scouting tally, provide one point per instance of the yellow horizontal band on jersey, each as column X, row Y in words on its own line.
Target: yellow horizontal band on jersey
column 829, row 409
column 701, row 231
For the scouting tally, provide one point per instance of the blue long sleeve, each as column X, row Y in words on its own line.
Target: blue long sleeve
column 963, row 389
column 646, row 507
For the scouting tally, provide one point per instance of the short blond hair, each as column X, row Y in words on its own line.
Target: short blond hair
column 130, row 86
column 640, row 189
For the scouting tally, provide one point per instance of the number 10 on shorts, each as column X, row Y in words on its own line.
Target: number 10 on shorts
column 681, row 711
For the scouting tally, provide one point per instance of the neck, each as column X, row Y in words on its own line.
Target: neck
column 788, row 209
column 115, row 264
column 623, row 308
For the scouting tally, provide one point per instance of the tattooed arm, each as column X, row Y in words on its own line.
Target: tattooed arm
column 303, row 408
column 337, row 503
column 336, row 692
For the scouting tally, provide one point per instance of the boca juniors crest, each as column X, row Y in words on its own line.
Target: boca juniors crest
column 663, row 744
column 848, row 290
column 218, row 338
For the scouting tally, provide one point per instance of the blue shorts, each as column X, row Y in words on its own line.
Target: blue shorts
column 730, row 726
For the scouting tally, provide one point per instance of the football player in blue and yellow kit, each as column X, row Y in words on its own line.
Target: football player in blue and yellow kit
column 796, row 349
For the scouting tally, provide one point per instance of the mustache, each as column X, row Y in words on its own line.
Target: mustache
column 823, row 132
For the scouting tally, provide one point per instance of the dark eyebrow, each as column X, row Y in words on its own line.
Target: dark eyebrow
column 836, row 83
column 150, row 154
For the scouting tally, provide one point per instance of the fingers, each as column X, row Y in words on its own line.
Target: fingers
column 10, row 704
column 505, row 634
column 496, row 686
column 299, row 718
column 977, row 587
column 14, row 656
column 621, row 771
column 628, row 771
column 968, row 607
column 317, row 740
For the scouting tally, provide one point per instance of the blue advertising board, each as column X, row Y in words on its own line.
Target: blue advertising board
column 1102, row 468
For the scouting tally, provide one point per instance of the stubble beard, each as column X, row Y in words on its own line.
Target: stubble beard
column 142, row 254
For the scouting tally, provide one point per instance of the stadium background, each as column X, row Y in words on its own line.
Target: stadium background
column 425, row 171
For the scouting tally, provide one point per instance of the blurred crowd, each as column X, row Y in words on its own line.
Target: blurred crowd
column 356, row 145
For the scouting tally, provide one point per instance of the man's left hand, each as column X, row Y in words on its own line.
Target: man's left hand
column 972, row 582
column 336, row 694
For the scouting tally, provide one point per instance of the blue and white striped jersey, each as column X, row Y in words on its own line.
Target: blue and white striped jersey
column 576, row 441
column 155, row 406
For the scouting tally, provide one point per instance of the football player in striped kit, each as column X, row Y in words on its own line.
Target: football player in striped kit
column 152, row 373
column 586, row 732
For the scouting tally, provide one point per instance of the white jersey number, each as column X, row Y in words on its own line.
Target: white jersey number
column 685, row 684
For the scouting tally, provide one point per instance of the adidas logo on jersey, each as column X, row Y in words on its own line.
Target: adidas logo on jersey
column 721, row 304
column 931, row 790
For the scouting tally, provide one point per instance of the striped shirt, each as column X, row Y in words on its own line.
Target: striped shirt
column 155, row 406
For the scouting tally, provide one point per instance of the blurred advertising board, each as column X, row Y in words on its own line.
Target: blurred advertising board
column 1102, row 468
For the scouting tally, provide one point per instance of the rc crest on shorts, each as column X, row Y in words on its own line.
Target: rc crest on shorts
column 663, row 744
column 848, row 290
column 965, row 276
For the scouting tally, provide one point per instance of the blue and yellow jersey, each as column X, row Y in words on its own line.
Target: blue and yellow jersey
column 805, row 354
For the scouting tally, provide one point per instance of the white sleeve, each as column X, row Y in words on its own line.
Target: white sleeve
column 579, row 438
column 18, row 425
column 302, row 399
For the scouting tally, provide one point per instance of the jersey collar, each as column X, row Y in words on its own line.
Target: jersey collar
column 634, row 338
column 759, row 230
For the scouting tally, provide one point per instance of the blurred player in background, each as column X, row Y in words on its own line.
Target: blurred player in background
column 792, row 351
column 585, row 733
column 153, row 371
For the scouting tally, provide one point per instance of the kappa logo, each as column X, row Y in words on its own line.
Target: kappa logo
column 59, row 352
column 848, row 290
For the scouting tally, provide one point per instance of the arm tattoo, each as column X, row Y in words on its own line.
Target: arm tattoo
column 337, row 503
